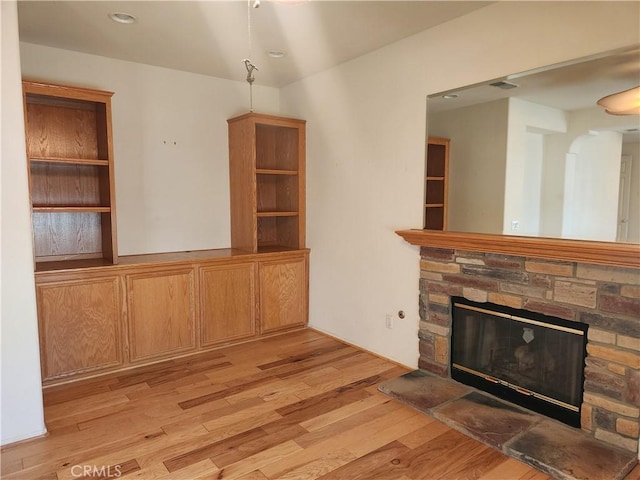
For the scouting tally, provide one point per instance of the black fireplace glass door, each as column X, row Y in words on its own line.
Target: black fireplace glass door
column 528, row 354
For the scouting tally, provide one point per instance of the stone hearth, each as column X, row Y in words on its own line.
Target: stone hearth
column 560, row 451
column 606, row 298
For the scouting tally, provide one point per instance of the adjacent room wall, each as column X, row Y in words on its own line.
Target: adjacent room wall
column 170, row 145
column 592, row 179
column 579, row 122
column 633, row 150
column 21, row 391
column 365, row 150
column 477, row 164
column 528, row 122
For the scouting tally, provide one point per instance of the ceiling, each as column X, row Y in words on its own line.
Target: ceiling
column 212, row 37
column 571, row 86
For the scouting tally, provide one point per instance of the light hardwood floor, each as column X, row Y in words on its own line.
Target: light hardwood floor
column 297, row 406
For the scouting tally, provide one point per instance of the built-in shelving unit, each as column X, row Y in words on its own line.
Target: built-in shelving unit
column 98, row 314
column 70, row 156
column 436, row 187
column 267, row 160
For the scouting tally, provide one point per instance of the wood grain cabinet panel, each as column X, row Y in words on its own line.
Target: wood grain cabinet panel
column 283, row 294
column 79, row 325
column 161, row 307
column 227, row 303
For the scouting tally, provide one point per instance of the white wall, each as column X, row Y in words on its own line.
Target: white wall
column 591, row 191
column 477, row 164
column 579, row 122
column 633, row 150
column 169, row 197
column 21, row 394
column 365, row 149
column 523, row 177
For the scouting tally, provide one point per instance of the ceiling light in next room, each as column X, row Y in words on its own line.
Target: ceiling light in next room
column 450, row 96
column 122, row 17
column 626, row 102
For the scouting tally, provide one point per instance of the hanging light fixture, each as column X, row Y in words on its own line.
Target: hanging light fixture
column 626, row 102
column 248, row 64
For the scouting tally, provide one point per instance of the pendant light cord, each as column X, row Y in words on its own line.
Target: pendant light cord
column 247, row 61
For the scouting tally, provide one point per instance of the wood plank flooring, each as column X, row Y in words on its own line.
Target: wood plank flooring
column 297, row 406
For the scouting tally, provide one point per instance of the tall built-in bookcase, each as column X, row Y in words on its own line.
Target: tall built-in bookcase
column 70, row 156
column 267, row 176
column 436, row 191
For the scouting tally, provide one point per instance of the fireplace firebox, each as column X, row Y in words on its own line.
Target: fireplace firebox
column 534, row 360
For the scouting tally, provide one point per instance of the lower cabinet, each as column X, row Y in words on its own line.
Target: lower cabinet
column 227, row 303
column 161, row 307
column 283, row 294
column 108, row 318
column 80, row 326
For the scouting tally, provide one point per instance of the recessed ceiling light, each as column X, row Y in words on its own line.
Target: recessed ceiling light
column 450, row 96
column 122, row 17
column 276, row 53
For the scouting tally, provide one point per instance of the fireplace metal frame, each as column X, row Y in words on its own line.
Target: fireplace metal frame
column 566, row 413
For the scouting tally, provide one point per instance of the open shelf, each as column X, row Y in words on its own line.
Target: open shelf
column 62, row 235
column 278, row 231
column 435, row 212
column 277, row 147
column 266, row 166
column 68, row 137
column 277, row 193
column 66, row 184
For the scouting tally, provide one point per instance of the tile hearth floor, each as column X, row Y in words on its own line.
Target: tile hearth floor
column 563, row 452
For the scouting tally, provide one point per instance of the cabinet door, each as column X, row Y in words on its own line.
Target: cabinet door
column 227, row 303
column 161, row 313
column 79, row 325
column 283, row 294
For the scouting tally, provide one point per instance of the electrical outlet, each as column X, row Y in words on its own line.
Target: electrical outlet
column 515, row 225
column 389, row 321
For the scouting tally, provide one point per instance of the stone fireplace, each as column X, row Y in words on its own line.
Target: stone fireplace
column 606, row 298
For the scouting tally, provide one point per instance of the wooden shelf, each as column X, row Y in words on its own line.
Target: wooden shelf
column 71, row 161
column 70, row 209
column 269, row 171
column 277, row 214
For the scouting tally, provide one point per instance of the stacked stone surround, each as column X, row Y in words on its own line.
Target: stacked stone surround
column 606, row 298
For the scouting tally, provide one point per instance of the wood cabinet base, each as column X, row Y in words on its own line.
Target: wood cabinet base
column 151, row 308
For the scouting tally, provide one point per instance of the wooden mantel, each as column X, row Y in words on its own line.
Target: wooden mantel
column 603, row 253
